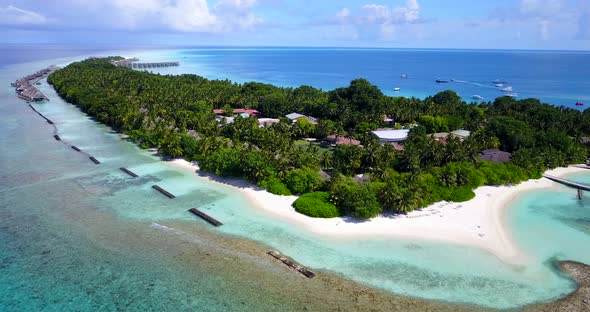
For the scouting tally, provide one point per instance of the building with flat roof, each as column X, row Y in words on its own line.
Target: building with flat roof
column 296, row 116
column 391, row 135
column 462, row 134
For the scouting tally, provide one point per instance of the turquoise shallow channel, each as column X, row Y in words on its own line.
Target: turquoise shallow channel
column 62, row 246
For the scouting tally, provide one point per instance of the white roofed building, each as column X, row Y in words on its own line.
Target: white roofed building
column 391, row 135
column 462, row 134
column 296, row 116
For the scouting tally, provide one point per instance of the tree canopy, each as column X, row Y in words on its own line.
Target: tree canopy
column 175, row 115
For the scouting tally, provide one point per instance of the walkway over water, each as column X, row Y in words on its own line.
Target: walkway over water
column 133, row 63
column 580, row 187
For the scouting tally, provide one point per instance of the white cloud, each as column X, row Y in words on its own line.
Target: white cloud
column 540, row 8
column 175, row 15
column 189, row 15
column 238, row 5
column 344, row 12
column 12, row 15
column 409, row 13
column 380, row 19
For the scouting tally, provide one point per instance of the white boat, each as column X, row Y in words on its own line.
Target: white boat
column 507, row 89
column 499, row 85
column 512, row 94
column 477, row 97
column 396, row 89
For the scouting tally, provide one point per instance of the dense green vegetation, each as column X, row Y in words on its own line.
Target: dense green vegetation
column 174, row 114
column 317, row 205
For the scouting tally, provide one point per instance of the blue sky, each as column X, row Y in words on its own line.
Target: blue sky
column 493, row 24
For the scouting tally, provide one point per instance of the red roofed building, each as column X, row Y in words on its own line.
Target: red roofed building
column 342, row 140
column 251, row 112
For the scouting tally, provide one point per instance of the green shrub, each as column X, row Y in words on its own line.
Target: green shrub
column 316, row 205
column 303, row 180
column 356, row 199
column 460, row 194
column 275, row 186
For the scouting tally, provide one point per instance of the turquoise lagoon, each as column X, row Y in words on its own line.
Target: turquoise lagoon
column 51, row 257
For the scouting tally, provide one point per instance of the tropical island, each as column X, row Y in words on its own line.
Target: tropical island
column 349, row 151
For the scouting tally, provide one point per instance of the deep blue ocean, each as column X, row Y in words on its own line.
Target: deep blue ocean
column 555, row 77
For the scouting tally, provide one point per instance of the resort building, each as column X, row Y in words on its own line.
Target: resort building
column 245, row 113
column 440, row 137
column 250, row 112
column 267, row 122
column 227, row 120
column 391, row 135
column 342, row 140
column 398, row 146
column 495, row 155
column 461, row 134
column 296, row 116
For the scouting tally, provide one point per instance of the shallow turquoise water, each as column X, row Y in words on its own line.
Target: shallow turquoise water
column 42, row 182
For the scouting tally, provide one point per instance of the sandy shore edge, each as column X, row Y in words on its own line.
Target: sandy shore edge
column 480, row 222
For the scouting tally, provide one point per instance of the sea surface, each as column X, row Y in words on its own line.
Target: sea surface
column 555, row 77
column 75, row 236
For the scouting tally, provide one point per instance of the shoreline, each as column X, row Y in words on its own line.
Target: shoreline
column 480, row 222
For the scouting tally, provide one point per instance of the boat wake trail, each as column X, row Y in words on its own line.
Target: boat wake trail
column 474, row 83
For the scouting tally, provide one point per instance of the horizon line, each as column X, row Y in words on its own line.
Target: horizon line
column 173, row 46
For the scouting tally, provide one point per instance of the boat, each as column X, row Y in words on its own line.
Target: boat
column 499, row 81
column 441, row 81
column 579, row 103
column 477, row 97
column 507, row 89
column 499, row 85
column 404, row 75
column 396, row 89
column 512, row 94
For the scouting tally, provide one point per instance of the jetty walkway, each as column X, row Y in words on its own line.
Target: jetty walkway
column 25, row 87
column 580, row 187
column 133, row 63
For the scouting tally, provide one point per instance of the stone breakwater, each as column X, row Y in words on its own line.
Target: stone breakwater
column 25, row 87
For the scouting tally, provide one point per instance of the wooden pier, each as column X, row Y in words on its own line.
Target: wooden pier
column 129, row 172
column 292, row 264
column 133, row 63
column 26, row 89
column 153, row 64
column 578, row 186
column 205, row 217
column 163, row 191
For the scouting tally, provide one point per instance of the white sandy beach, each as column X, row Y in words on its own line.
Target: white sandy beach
column 479, row 222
